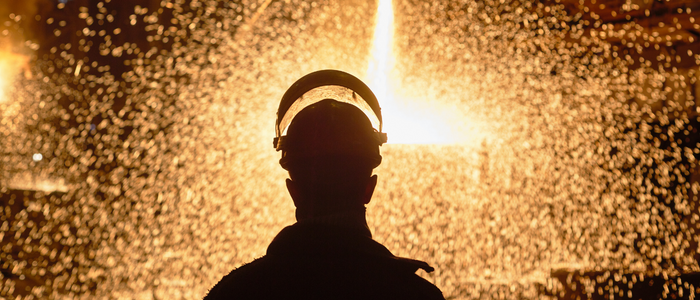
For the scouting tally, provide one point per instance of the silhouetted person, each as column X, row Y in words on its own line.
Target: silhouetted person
column 330, row 150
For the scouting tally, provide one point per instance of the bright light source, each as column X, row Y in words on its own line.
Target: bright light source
column 3, row 80
column 37, row 157
column 402, row 124
column 11, row 64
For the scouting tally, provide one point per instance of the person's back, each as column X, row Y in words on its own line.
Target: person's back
column 330, row 151
column 307, row 261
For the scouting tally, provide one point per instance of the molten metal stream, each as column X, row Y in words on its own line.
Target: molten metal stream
column 405, row 124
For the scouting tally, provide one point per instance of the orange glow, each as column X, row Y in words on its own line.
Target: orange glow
column 403, row 124
column 3, row 79
column 11, row 64
column 528, row 159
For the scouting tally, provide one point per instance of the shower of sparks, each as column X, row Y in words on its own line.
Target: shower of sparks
column 136, row 160
column 404, row 125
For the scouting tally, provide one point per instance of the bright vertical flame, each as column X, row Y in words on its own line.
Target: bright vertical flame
column 382, row 60
column 403, row 126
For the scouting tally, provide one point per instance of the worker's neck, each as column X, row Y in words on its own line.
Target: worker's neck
column 351, row 219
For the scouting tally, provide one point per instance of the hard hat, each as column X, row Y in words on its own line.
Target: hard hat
column 329, row 113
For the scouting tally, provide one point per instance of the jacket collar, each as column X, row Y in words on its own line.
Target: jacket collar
column 310, row 239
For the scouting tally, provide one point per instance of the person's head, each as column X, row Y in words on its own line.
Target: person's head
column 329, row 129
column 330, row 151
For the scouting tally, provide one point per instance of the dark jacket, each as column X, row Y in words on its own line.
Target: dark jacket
column 312, row 261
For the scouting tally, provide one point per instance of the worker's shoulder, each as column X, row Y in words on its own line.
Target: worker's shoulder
column 402, row 283
column 273, row 277
column 240, row 280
